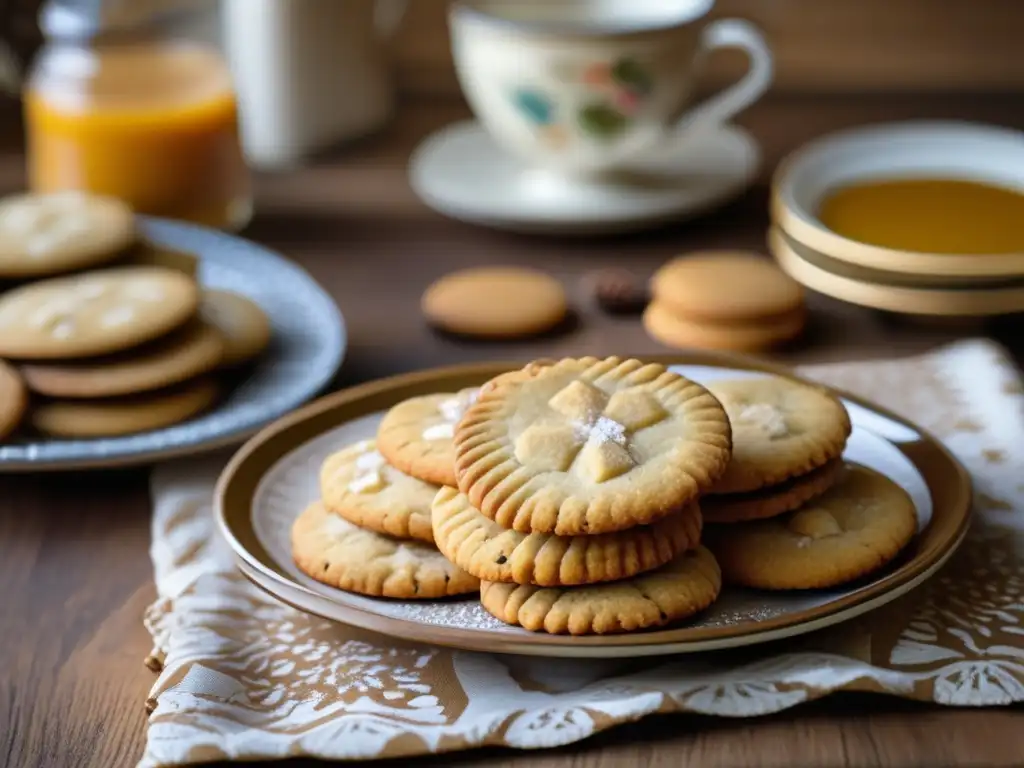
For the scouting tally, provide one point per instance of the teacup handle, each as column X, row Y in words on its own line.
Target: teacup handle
column 734, row 33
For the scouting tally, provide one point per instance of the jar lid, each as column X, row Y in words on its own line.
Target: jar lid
column 85, row 18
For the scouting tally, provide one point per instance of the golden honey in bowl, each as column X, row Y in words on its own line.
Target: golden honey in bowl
column 928, row 215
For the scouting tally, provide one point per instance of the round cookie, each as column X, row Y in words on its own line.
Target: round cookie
column 853, row 529
column 123, row 416
column 679, row 332
column 183, row 354
column 359, row 485
column 780, row 429
column 726, row 287
column 94, row 313
column 147, row 254
column 244, row 326
column 45, row 234
column 328, row 548
column 13, row 399
column 771, row 501
column 495, row 302
column 685, row 586
column 416, row 435
column 486, row 550
column 590, row 446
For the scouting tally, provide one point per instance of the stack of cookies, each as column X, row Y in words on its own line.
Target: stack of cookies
column 576, row 499
column 370, row 532
column 731, row 301
column 110, row 334
column 572, row 496
column 787, row 513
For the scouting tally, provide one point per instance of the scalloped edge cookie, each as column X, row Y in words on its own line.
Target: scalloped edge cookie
column 328, row 548
column 539, row 499
column 675, row 591
column 359, row 485
column 855, row 528
column 483, row 548
column 771, row 501
column 415, row 436
column 780, row 429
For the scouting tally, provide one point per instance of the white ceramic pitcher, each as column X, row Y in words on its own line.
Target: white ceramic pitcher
column 309, row 73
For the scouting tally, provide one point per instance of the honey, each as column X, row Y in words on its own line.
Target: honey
column 925, row 215
column 153, row 123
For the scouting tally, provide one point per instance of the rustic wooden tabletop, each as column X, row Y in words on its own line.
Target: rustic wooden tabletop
column 74, row 565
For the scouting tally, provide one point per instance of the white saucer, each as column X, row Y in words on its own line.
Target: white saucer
column 462, row 173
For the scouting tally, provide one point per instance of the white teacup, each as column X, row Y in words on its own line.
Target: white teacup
column 583, row 86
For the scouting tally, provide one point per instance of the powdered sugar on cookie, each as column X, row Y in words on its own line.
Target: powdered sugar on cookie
column 767, row 417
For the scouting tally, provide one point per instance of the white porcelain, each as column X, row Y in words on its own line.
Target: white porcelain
column 583, row 86
column 936, row 149
column 309, row 73
column 462, row 173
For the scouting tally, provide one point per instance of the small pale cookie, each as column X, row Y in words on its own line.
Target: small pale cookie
column 13, row 399
column 114, row 416
column 416, row 435
column 495, row 302
column 780, row 429
column 853, row 529
column 680, row 332
column 331, row 550
column 590, row 446
column 726, row 287
column 773, row 500
column 359, row 485
column 244, row 326
column 94, row 313
column 183, row 354
column 45, row 234
column 675, row 591
column 488, row 551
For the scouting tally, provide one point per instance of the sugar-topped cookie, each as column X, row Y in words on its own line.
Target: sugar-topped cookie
column 590, row 446
column 328, row 548
column 480, row 546
column 772, row 500
column 780, row 429
column 853, row 529
column 359, row 485
column 44, row 234
column 416, row 435
column 675, row 591
column 95, row 313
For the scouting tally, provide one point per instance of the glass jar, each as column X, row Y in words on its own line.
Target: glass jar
column 144, row 111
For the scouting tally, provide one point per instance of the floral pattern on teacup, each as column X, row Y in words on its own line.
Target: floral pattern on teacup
column 615, row 92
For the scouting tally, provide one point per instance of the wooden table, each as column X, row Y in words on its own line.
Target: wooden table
column 74, row 568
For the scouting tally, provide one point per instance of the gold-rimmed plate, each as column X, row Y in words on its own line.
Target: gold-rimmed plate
column 272, row 478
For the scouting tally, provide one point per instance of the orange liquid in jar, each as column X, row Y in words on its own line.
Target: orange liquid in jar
column 155, row 125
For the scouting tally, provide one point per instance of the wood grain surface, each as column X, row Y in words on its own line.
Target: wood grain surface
column 830, row 45
column 74, row 564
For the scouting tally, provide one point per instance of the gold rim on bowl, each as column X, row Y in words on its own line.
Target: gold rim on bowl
column 803, row 265
column 989, row 146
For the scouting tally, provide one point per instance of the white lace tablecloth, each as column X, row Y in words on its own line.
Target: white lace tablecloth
column 242, row 676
